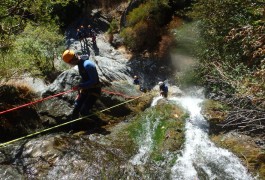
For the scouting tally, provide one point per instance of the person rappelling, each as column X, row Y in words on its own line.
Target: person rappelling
column 89, row 88
column 163, row 89
column 136, row 80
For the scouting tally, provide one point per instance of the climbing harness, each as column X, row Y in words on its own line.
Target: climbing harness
column 69, row 122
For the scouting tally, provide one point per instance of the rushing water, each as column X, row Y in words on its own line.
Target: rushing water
column 146, row 143
column 200, row 158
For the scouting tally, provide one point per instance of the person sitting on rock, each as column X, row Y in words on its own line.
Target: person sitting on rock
column 163, row 89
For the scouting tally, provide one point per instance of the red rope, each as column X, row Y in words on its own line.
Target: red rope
column 59, row 94
column 34, row 102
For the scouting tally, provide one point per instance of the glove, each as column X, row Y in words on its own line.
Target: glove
column 75, row 88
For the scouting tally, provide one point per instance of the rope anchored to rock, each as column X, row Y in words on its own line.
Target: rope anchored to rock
column 59, row 94
column 63, row 124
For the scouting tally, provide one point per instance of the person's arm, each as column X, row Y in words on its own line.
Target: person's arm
column 92, row 73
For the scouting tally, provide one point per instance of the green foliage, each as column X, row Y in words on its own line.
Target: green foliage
column 139, row 14
column 139, row 38
column 147, row 25
column 218, row 18
column 231, row 48
column 114, row 27
column 148, row 17
column 248, row 42
column 14, row 16
column 34, row 51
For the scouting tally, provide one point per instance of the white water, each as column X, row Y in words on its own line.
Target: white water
column 146, row 144
column 200, row 158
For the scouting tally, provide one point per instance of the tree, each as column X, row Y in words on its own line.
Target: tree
column 33, row 51
column 31, row 48
column 14, row 15
column 217, row 18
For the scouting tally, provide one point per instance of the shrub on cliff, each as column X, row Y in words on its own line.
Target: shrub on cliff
column 21, row 121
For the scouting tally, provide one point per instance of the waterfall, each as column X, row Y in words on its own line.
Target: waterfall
column 200, row 158
column 146, row 143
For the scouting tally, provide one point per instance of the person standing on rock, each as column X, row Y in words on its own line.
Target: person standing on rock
column 89, row 89
column 91, row 33
column 84, row 36
column 80, row 38
column 163, row 89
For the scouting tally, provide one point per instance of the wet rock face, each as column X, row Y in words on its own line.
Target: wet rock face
column 63, row 157
column 95, row 156
column 215, row 112
column 57, row 110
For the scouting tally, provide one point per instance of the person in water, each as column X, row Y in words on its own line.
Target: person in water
column 163, row 89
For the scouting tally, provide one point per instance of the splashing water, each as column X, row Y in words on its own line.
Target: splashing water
column 146, row 144
column 200, row 157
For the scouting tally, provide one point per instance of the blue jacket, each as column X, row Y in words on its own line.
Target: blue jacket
column 88, row 72
column 163, row 88
column 136, row 81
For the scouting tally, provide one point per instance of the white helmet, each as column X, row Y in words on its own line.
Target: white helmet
column 160, row 83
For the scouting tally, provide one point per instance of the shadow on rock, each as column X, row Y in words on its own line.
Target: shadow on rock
column 89, row 125
column 96, row 49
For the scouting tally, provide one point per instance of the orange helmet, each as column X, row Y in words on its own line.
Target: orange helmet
column 68, row 55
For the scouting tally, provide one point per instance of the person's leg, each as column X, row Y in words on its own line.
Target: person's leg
column 90, row 100
column 81, row 44
column 88, row 105
column 93, row 39
column 78, row 104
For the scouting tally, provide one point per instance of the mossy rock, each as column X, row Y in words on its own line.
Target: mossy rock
column 167, row 122
column 215, row 112
column 252, row 156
